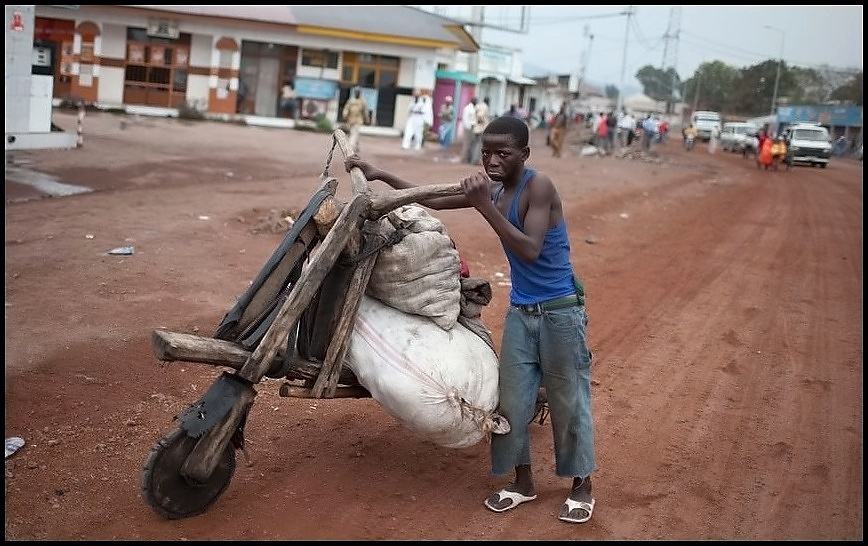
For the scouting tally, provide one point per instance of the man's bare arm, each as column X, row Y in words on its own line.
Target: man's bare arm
column 373, row 173
column 526, row 244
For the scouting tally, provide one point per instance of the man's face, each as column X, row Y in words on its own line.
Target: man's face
column 501, row 157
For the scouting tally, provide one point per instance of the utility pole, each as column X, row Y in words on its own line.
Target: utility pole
column 620, row 103
column 778, row 75
column 673, row 30
column 675, row 54
column 478, row 20
column 586, row 56
column 696, row 92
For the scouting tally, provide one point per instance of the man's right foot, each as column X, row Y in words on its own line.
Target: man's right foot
column 509, row 497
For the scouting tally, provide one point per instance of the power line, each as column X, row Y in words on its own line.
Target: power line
column 727, row 48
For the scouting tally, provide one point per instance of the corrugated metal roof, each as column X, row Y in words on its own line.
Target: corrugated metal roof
column 402, row 21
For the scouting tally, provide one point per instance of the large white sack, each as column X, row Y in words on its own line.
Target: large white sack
column 421, row 273
column 442, row 384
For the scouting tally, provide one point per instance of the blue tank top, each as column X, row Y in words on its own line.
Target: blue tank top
column 551, row 274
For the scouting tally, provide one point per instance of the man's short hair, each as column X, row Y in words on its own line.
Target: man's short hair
column 508, row 125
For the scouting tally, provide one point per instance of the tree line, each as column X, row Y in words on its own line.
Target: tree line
column 748, row 90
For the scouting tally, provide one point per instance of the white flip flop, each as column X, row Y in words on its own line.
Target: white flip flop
column 572, row 505
column 517, row 498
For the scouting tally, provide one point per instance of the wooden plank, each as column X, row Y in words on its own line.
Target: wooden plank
column 171, row 346
column 389, row 201
column 326, row 382
column 360, row 183
column 321, row 262
column 294, row 391
column 327, row 215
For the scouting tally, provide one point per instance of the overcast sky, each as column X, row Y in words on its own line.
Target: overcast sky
column 813, row 35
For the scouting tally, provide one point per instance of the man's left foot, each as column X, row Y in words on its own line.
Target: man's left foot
column 579, row 506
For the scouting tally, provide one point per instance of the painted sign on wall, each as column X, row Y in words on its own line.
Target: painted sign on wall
column 311, row 88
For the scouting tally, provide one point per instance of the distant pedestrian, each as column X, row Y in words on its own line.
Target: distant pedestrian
column 355, row 114
column 713, row 140
column 779, row 151
column 446, row 117
column 626, row 126
column 287, row 99
column 603, row 133
column 765, row 158
column 648, row 132
column 664, row 130
column 595, row 127
column 414, row 129
column 468, row 121
column 428, row 115
column 482, row 119
column 559, row 131
column 611, row 128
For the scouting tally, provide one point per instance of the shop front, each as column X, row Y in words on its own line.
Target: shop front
column 265, row 69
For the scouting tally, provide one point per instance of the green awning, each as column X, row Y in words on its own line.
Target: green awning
column 457, row 76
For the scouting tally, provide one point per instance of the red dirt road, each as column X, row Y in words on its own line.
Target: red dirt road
column 725, row 310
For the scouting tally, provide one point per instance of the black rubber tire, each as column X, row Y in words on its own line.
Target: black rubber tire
column 823, row 165
column 161, row 474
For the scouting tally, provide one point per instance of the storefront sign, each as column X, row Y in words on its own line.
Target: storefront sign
column 822, row 113
column 311, row 88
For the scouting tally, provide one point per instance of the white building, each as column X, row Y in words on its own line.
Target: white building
column 501, row 79
column 232, row 61
column 28, row 87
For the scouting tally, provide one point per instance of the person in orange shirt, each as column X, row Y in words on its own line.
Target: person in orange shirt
column 764, row 158
column 779, row 151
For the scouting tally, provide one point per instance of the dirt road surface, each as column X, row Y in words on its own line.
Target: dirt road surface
column 725, row 310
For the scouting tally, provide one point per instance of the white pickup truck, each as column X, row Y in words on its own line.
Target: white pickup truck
column 706, row 123
column 808, row 143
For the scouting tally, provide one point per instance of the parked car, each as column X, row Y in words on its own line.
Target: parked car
column 750, row 143
column 706, row 123
column 735, row 134
column 808, row 143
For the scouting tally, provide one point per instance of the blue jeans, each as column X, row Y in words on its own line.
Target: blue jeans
column 445, row 134
column 552, row 348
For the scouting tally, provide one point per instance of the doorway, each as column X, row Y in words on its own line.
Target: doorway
column 264, row 69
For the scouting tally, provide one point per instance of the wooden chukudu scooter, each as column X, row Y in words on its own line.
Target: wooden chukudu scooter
column 293, row 322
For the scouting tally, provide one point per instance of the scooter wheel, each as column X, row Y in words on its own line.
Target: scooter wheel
column 168, row 492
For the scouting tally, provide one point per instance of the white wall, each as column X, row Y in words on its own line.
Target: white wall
column 198, row 90
column 40, row 103
column 406, row 72
column 111, row 86
column 200, row 49
column 114, row 41
column 425, row 74
column 19, row 59
column 402, row 111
